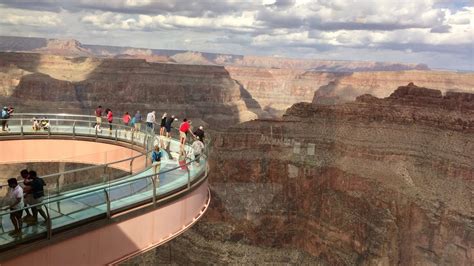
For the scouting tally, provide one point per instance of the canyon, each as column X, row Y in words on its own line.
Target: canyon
column 307, row 166
column 371, row 182
column 208, row 94
column 73, row 48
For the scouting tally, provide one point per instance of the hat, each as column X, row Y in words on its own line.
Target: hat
column 5, row 108
column 201, row 127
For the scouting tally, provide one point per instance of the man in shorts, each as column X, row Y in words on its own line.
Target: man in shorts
column 169, row 122
column 184, row 128
column 36, row 188
column 156, row 162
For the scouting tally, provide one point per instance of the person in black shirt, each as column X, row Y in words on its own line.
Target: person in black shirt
column 168, row 123
column 200, row 133
column 36, row 188
column 163, row 123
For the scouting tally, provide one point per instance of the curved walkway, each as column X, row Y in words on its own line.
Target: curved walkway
column 71, row 209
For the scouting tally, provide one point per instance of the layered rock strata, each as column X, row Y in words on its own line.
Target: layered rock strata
column 372, row 182
column 213, row 93
column 48, row 83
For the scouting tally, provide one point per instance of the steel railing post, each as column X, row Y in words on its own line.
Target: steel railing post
column 21, row 126
column 116, row 135
column 131, row 165
column 104, row 178
column 153, row 181
column 48, row 223
column 74, row 129
column 57, row 185
column 107, row 201
column 189, row 175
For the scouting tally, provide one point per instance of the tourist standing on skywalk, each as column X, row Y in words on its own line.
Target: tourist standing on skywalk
column 6, row 114
column 168, row 124
column 198, row 147
column 156, row 162
column 200, row 133
column 150, row 121
column 98, row 118
column 15, row 197
column 110, row 118
column 36, row 189
column 184, row 128
column 138, row 121
column 163, row 123
column 126, row 119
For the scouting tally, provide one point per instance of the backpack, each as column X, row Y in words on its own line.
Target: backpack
column 5, row 114
column 156, row 156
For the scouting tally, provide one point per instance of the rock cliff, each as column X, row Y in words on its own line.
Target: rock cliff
column 372, row 182
column 241, row 93
column 277, row 89
column 49, row 83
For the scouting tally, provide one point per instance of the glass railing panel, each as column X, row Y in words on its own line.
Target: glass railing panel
column 71, row 209
column 126, row 194
column 83, row 198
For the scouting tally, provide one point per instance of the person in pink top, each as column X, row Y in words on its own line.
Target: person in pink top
column 184, row 128
column 110, row 118
column 126, row 118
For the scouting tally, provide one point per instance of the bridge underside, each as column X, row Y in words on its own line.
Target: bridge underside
column 123, row 237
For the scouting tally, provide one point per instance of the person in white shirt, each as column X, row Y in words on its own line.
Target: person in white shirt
column 16, row 205
column 197, row 146
column 150, row 120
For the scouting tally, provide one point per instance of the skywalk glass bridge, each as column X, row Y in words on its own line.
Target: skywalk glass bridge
column 112, row 184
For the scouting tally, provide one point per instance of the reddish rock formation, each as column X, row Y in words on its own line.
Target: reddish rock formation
column 241, row 92
column 47, row 83
column 373, row 182
column 75, row 48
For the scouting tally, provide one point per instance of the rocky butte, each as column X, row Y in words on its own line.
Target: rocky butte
column 372, row 182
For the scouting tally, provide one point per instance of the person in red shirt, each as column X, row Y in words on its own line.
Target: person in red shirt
column 126, row 118
column 184, row 128
column 98, row 117
column 110, row 118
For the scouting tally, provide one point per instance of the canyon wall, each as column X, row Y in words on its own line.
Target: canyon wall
column 49, row 83
column 277, row 89
column 372, row 182
column 210, row 94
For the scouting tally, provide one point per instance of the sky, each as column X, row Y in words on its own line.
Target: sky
column 435, row 32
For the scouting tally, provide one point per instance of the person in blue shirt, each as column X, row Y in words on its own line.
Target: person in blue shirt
column 138, row 121
column 156, row 162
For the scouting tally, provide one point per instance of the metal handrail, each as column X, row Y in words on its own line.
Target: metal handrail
column 100, row 188
column 21, row 119
column 106, row 164
column 107, row 188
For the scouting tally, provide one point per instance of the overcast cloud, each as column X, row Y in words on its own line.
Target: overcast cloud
column 436, row 32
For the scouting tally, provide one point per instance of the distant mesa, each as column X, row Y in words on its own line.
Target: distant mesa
column 74, row 48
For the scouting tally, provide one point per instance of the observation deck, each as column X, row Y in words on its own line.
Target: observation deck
column 110, row 206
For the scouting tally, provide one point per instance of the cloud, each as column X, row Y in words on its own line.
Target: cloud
column 286, row 27
column 31, row 18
